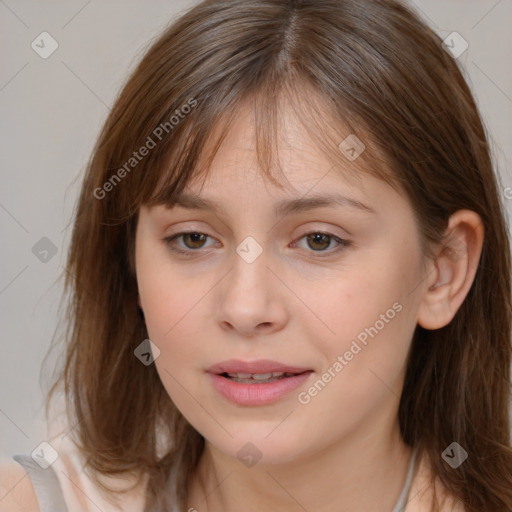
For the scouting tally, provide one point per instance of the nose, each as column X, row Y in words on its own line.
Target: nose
column 251, row 300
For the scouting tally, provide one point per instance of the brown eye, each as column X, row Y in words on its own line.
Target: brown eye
column 318, row 241
column 322, row 243
column 188, row 243
column 194, row 240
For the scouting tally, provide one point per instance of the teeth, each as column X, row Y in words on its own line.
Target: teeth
column 256, row 376
column 240, row 375
column 262, row 376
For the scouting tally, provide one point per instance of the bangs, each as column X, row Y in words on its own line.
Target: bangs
column 191, row 151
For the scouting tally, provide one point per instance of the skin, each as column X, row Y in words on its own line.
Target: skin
column 300, row 304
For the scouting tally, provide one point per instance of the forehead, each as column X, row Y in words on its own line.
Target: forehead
column 293, row 151
column 300, row 161
column 311, row 181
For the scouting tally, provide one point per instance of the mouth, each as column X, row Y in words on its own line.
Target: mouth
column 258, row 378
column 252, row 383
column 237, row 368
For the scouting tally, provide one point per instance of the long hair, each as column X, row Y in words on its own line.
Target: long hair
column 369, row 68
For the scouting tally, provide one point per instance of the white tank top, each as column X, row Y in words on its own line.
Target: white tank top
column 55, row 490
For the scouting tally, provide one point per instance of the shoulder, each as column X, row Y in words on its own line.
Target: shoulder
column 16, row 489
column 66, row 482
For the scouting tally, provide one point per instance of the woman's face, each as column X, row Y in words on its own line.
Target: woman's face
column 269, row 285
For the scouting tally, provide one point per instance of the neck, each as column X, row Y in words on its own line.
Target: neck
column 365, row 472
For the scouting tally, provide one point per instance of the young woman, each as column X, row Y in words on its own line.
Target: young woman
column 289, row 277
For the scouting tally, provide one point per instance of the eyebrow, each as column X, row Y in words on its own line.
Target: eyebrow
column 284, row 207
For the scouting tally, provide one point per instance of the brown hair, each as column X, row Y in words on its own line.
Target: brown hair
column 381, row 73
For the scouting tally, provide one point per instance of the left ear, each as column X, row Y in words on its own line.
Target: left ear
column 453, row 271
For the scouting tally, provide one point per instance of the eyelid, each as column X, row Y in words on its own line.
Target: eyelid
column 342, row 243
column 169, row 239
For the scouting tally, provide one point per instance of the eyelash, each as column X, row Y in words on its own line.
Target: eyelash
column 342, row 243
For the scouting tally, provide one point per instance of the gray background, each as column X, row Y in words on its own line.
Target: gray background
column 51, row 112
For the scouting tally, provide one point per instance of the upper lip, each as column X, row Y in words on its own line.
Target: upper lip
column 257, row 366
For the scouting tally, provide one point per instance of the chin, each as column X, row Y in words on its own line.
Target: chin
column 250, row 446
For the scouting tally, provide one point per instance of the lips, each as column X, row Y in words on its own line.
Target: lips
column 258, row 367
column 253, row 383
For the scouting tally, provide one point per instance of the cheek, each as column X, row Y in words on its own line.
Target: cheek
column 177, row 319
column 167, row 295
column 364, row 360
column 175, row 323
column 369, row 319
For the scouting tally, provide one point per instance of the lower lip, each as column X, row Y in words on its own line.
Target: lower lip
column 257, row 394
